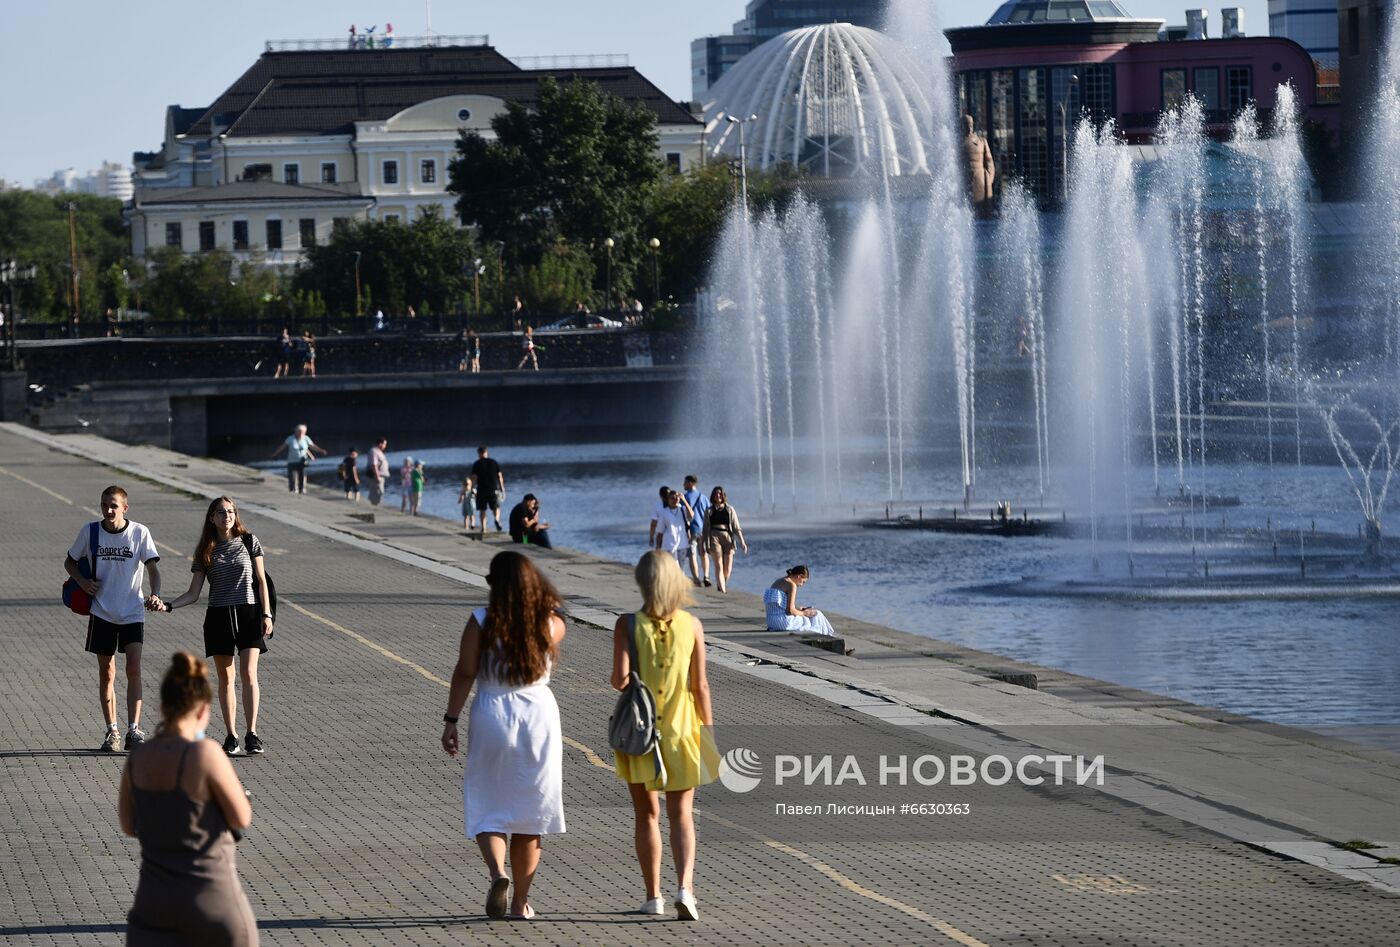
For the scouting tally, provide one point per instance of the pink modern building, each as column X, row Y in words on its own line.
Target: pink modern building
column 1036, row 65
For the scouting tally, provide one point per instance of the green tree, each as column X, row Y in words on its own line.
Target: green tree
column 427, row 261
column 687, row 213
column 207, row 286
column 34, row 229
column 578, row 168
column 562, row 278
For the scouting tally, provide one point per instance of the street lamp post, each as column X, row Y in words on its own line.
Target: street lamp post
column 1064, row 141
column 73, row 262
column 11, row 272
column 655, row 245
column 743, row 159
column 500, row 276
column 359, row 309
column 223, row 143
column 609, row 243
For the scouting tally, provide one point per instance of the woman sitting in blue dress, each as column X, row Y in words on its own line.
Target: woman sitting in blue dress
column 780, row 602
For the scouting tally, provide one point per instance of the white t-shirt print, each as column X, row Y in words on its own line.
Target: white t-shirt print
column 121, row 568
column 670, row 526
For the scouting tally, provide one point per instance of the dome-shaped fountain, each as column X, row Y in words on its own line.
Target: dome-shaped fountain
column 835, row 100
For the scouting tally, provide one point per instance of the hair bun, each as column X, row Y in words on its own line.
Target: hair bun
column 185, row 686
column 186, row 666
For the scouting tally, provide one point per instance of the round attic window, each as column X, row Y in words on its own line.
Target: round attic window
column 464, row 115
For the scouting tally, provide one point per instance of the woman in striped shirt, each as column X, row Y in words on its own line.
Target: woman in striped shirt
column 231, row 559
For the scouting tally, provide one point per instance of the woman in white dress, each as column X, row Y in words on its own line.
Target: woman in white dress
column 512, row 792
column 780, row 604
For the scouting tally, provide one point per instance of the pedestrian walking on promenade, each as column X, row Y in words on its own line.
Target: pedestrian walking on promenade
column 239, row 617
column 657, row 513
column 512, row 792
column 180, row 796
column 670, row 531
column 405, row 483
column 308, row 354
column 698, row 555
column 471, row 351
column 490, row 487
column 300, row 450
column 417, row 480
column 528, row 344
column 377, row 470
column 669, row 648
column 780, row 604
column 284, row 354
column 467, row 498
column 721, row 533
column 119, row 555
column 350, row 475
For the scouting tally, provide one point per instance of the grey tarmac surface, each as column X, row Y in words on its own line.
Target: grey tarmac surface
column 357, row 835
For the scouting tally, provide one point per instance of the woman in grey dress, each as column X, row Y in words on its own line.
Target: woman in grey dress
column 182, row 799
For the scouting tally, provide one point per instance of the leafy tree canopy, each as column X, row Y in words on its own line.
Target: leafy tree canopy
column 687, row 212
column 578, row 168
column 204, row 285
column 34, row 229
column 426, row 264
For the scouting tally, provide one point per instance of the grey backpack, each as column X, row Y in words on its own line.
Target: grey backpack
column 632, row 727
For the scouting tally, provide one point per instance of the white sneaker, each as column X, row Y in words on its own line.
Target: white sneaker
column 686, row 908
column 654, row 906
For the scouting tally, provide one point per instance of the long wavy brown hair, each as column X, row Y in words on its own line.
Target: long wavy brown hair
column 517, row 633
column 204, row 550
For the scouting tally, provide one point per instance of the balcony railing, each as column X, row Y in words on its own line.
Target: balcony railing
column 375, row 41
column 586, row 61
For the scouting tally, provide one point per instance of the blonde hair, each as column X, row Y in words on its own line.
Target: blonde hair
column 665, row 589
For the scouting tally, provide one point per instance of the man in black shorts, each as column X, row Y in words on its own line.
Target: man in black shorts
column 490, row 487
column 119, row 554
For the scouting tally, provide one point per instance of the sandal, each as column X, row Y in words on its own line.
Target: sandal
column 527, row 915
column 496, row 900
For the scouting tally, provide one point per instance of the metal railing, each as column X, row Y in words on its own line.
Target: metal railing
column 584, row 61
column 375, row 41
column 328, row 326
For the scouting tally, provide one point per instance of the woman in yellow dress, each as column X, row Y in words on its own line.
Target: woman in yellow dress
column 671, row 662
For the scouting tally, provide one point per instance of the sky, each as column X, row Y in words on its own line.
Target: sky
column 87, row 81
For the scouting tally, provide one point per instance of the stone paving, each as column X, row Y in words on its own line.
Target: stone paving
column 357, row 835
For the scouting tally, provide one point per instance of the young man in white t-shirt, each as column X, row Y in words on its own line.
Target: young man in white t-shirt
column 670, row 531
column 125, row 554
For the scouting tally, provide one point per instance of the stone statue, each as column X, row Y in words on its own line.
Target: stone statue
column 981, row 171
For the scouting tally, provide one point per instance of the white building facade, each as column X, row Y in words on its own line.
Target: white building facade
column 309, row 139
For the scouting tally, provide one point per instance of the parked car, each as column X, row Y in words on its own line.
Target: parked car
column 582, row 320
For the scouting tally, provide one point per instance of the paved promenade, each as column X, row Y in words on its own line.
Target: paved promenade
column 1208, row 829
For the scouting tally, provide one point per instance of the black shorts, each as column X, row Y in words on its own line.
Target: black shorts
column 106, row 638
column 487, row 501
column 229, row 629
